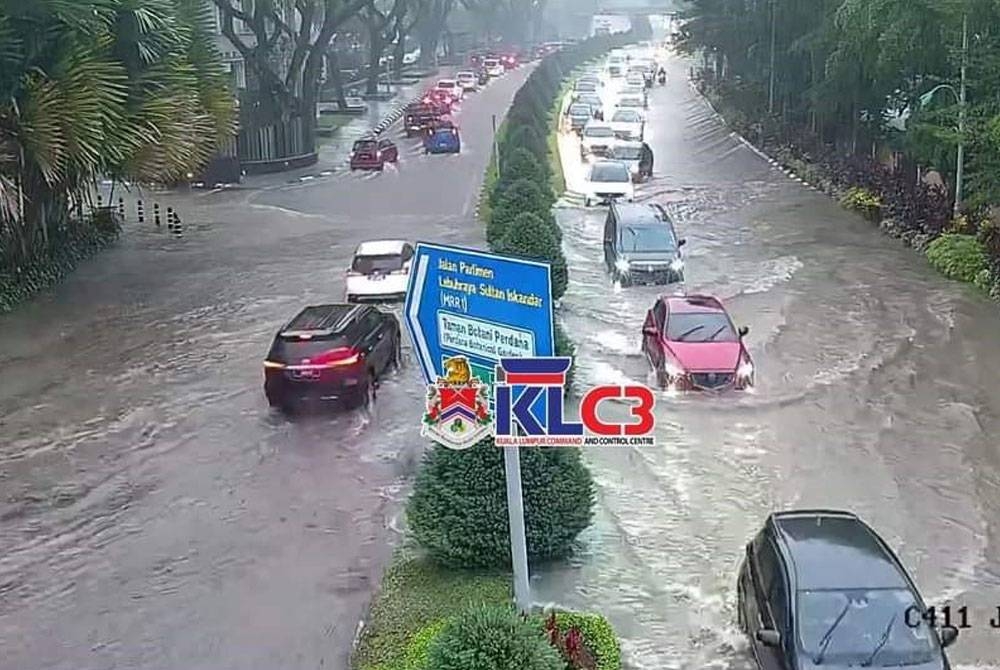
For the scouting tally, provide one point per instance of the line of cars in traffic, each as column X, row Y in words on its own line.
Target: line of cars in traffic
column 816, row 588
column 430, row 118
column 689, row 341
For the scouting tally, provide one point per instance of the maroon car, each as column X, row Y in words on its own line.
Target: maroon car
column 692, row 344
column 373, row 154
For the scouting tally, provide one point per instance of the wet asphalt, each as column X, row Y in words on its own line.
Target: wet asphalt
column 154, row 512
column 876, row 392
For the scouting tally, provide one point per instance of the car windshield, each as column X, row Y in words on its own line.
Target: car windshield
column 365, row 145
column 590, row 99
column 580, row 110
column 293, row 349
column 598, row 131
column 610, row 172
column 700, row 327
column 647, row 238
column 370, row 263
column 865, row 618
column 491, row 63
column 626, row 116
column 586, row 86
column 446, row 84
column 627, row 153
column 630, row 102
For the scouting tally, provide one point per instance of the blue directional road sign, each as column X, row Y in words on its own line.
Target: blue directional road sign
column 463, row 302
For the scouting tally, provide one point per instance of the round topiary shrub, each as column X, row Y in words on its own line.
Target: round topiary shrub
column 458, row 509
column 532, row 237
column 521, row 136
column 492, row 638
column 959, row 257
column 521, row 196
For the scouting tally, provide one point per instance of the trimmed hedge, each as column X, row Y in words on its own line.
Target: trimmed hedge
column 532, row 237
column 959, row 257
column 70, row 248
column 492, row 638
column 458, row 508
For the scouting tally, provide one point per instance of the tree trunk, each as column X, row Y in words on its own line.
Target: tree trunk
column 376, row 47
column 398, row 54
column 333, row 71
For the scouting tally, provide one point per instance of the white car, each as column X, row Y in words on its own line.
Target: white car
column 607, row 181
column 380, row 271
column 494, row 67
column 596, row 140
column 452, row 87
column 628, row 125
column 630, row 102
column 468, row 81
column 629, row 153
column 635, row 79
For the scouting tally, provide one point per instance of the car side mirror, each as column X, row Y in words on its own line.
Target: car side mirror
column 948, row 636
column 650, row 331
column 769, row 637
column 681, row 242
column 744, row 331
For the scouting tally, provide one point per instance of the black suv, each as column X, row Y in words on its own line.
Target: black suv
column 820, row 588
column 641, row 245
column 331, row 353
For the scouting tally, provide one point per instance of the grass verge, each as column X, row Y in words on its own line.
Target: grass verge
column 555, row 162
column 328, row 125
column 414, row 595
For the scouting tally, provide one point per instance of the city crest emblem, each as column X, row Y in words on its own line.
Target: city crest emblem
column 458, row 407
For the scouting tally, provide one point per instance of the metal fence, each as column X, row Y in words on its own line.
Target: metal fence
column 275, row 142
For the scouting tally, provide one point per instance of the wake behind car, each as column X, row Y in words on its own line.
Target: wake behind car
column 608, row 181
column 331, row 353
column 596, row 140
column 379, row 271
column 821, row 589
column 641, row 245
column 692, row 345
column 373, row 154
column 442, row 138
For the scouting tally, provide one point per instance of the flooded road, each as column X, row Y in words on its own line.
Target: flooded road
column 154, row 512
column 877, row 392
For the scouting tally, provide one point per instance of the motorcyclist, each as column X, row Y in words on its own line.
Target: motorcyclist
column 661, row 76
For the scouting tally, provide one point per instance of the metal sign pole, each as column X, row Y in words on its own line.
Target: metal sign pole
column 518, row 543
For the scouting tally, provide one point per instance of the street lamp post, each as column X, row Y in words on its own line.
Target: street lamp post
column 961, row 100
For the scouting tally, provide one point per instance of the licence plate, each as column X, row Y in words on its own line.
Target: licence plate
column 305, row 375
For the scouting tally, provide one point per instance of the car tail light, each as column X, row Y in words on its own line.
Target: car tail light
column 333, row 358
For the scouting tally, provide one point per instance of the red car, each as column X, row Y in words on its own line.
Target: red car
column 692, row 344
column 373, row 154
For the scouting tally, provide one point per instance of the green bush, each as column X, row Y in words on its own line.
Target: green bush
column 532, row 237
column 418, row 648
column 458, row 509
column 565, row 347
column 521, row 196
column 860, row 200
column 524, row 137
column 956, row 256
column 492, row 638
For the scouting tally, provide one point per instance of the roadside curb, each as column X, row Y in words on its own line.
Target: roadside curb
column 775, row 164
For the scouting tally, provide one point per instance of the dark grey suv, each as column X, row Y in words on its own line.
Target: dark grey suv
column 821, row 589
column 641, row 245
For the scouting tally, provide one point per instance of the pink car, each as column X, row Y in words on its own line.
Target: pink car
column 692, row 344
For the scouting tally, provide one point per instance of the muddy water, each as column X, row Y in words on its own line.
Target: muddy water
column 877, row 392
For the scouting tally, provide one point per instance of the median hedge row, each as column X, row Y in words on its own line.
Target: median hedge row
column 457, row 513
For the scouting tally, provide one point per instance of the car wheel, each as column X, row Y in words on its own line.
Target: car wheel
column 741, row 622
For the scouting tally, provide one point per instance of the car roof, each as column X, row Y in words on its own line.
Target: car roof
column 691, row 304
column 830, row 549
column 380, row 247
column 445, row 81
column 330, row 318
column 637, row 214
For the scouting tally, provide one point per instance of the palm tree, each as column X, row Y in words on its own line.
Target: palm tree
column 130, row 89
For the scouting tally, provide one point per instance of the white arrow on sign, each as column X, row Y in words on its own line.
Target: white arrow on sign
column 416, row 331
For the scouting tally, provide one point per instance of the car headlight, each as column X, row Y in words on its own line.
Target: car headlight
column 623, row 266
column 745, row 371
column 677, row 265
